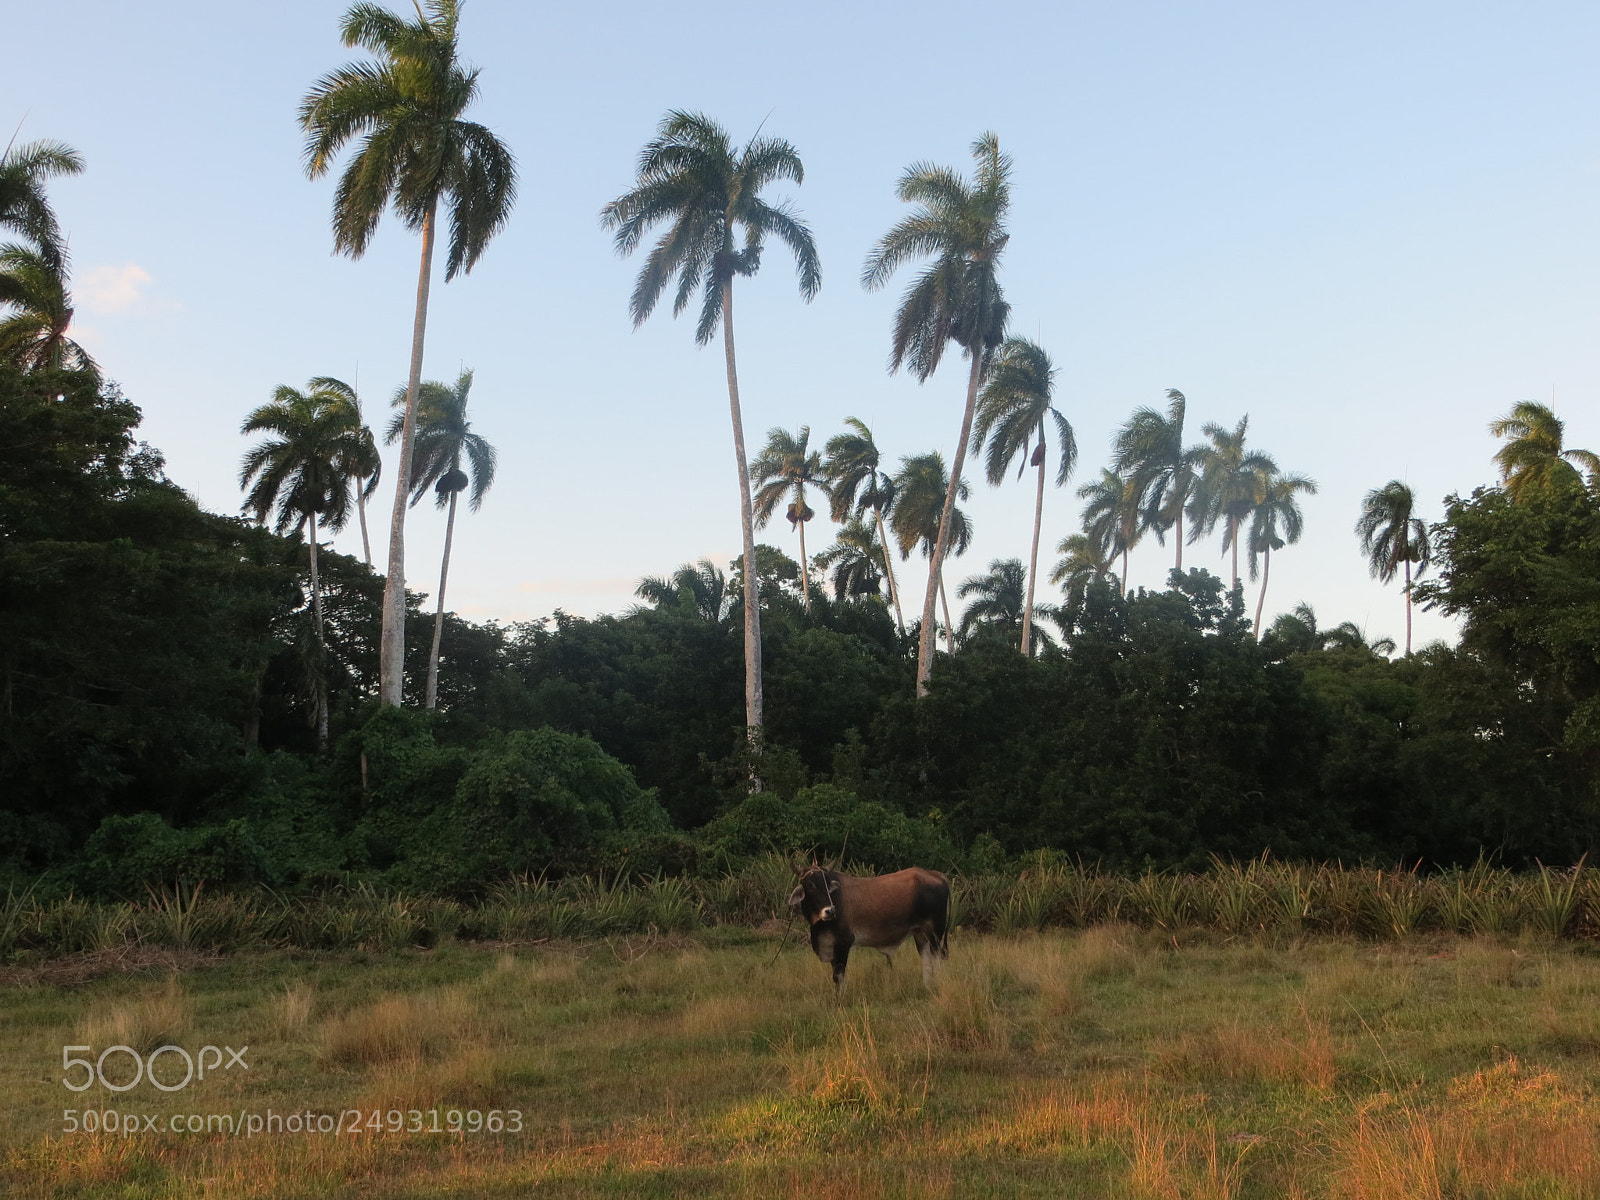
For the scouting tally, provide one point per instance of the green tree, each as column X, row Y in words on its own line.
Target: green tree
column 416, row 153
column 696, row 587
column 24, row 208
column 1230, row 486
column 1013, row 412
column 1111, row 518
column 857, row 482
column 786, row 466
column 921, row 488
column 1149, row 450
column 691, row 176
column 1534, row 456
column 444, row 443
column 957, row 297
column 297, row 477
column 853, row 559
column 998, row 600
column 1277, row 522
column 1393, row 537
column 34, row 336
column 363, row 463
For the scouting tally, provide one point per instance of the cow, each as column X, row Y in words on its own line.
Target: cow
column 878, row 912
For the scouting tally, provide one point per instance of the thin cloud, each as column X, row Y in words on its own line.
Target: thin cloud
column 112, row 289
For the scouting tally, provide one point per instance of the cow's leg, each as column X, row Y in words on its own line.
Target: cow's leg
column 925, row 948
column 841, row 956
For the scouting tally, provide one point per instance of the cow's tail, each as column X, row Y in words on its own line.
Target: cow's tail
column 941, row 923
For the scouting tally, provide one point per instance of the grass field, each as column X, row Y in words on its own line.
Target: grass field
column 1113, row 1062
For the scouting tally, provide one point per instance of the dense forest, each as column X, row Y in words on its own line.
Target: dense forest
column 162, row 684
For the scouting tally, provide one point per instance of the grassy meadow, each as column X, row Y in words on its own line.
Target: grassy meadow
column 1113, row 1061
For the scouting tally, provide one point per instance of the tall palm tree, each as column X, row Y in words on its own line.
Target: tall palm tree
column 1300, row 630
column 1111, row 518
column 919, row 518
column 856, row 483
column 854, row 559
column 444, row 443
column 961, row 225
column 1534, row 458
column 998, row 599
column 1392, row 537
column 786, row 466
column 24, row 208
column 298, row 478
column 691, row 176
column 1230, row 485
column 1013, row 411
column 364, row 464
column 1277, row 522
column 1083, row 560
column 1149, row 450
column 416, row 153
column 33, row 337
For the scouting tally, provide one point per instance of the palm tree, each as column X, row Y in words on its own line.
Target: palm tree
column 1299, row 630
column 786, row 466
column 1392, row 537
column 856, row 483
column 962, row 227
column 1013, row 411
column 691, row 176
column 24, row 208
column 364, row 464
column 1150, row 451
column 1533, row 458
column 416, row 153
column 921, row 488
column 1083, row 560
column 1111, row 518
column 854, row 559
column 699, row 587
column 1230, row 485
column 999, row 600
column 298, row 477
column 1277, row 522
column 444, row 441
column 34, row 336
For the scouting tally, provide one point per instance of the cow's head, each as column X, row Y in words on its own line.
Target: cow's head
column 816, row 893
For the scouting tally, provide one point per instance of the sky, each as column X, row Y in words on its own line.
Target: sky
column 1372, row 227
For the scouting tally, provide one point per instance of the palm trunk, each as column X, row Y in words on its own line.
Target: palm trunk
column 1408, row 608
column 1233, row 543
column 942, row 545
column 322, row 653
column 752, row 609
column 431, row 697
column 1266, row 571
column 361, row 511
column 805, row 573
column 1033, row 561
column 888, row 570
column 1179, row 527
column 949, row 629
column 1122, row 584
column 392, row 652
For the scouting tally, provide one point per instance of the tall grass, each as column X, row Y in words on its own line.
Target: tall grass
column 1235, row 899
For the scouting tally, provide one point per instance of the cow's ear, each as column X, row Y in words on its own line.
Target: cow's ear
column 796, row 896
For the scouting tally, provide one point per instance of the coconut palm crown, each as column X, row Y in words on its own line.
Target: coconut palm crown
column 1534, row 458
column 856, row 484
column 1149, row 450
column 1014, row 411
column 33, row 337
column 1276, row 522
column 1231, row 484
column 786, row 466
column 24, row 208
column 1393, row 537
column 998, row 599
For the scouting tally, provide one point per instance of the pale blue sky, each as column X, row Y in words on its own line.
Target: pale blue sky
column 1371, row 226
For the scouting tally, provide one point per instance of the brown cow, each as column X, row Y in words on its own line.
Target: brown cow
column 880, row 912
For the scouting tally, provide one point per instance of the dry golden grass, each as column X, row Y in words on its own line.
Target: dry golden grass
column 399, row 1029
column 160, row 1015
